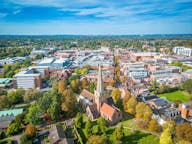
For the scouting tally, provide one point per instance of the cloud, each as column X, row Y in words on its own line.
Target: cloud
column 16, row 12
column 2, row 15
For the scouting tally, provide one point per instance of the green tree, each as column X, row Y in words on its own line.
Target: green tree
column 88, row 128
column 165, row 137
column 102, row 125
column 34, row 114
column 187, row 85
column 118, row 134
column 78, row 120
column 13, row 129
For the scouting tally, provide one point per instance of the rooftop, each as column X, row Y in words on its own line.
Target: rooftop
column 12, row 112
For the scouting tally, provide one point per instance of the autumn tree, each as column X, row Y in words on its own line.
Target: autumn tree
column 165, row 137
column 30, row 131
column 75, row 85
column 84, row 83
column 116, row 95
column 154, row 126
column 143, row 111
column 62, row 85
column 96, row 139
column 126, row 97
column 68, row 102
column 184, row 132
column 171, row 125
column 131, row 105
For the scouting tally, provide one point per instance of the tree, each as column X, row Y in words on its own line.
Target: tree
column 78, row 120
column 118, row 134
column 75, row 85
column 30, row 131
column 5, row 102
column 62, row 85
column 125, row 99
column 187, row 85
column 102, row 125
column 68, row 102
column 131, row 105
column 143, row 111
column 183, row 142
column 154, row 126
column 91, row 87
column 31, row 94
column 165, row 137
column 116, row 95
column 171, row 125
column 96, row 139
column 88, row 129
column 33, row 116
column 84, row 83
column 13, row 128
column 23, row 139
column 16, row 96
column 184, row 132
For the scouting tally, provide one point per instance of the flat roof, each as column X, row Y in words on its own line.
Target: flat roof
column 47, row 60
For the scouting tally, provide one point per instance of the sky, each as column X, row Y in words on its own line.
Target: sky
column 95, row 17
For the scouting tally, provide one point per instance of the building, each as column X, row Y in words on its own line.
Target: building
column 54, row 63
column 26, row 79
column 6, row 82
column 39, row 51
column 98, row 105
column 57, row 136
column 182, row 51
column 159, row 103
column 186, row 110
column 7, row 116
column 13, row 60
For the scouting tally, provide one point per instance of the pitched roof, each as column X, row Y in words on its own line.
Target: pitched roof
column 85, row 93
column 93, row 110
column 107, row 110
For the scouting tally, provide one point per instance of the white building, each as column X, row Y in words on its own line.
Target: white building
column 183, row 51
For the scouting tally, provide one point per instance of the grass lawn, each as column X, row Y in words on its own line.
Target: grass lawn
column 181, row 96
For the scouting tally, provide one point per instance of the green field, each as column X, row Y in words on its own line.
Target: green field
column 181, row 96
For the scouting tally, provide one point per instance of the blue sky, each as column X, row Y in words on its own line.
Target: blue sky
column 95, row 17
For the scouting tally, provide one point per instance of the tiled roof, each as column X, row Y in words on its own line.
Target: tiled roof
column 93, row 109
column 107, row 110
column 87, row 95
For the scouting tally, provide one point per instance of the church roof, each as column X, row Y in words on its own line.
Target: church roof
column 107, row 110
column 85, row 93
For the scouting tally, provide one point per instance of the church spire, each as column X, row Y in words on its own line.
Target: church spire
column 100, row 82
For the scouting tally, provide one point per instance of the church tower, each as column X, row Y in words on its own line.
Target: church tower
column 99, row 92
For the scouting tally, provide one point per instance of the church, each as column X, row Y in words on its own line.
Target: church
column 97, row 104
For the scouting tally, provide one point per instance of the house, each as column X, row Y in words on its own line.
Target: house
column 186, row 110
column 6, row 82
column 98, row 105
column 159, row 103
column 58, row 136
